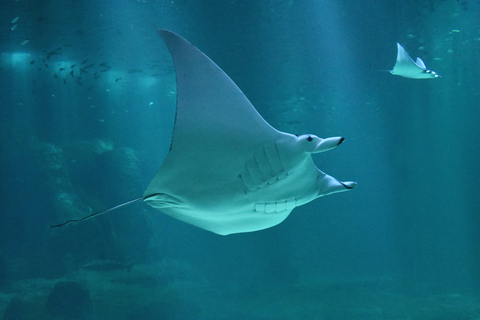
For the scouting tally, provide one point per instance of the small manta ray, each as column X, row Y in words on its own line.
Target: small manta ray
column 227, row 170
column 406, row 67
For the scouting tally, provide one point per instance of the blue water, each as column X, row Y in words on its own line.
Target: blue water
column 87, row 102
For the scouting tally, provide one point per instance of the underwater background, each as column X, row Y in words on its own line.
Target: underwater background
column 87, row 102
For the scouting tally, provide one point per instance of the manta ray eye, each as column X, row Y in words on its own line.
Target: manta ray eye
column 309, row 138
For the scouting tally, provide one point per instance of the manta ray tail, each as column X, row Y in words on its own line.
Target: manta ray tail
column 97, row 213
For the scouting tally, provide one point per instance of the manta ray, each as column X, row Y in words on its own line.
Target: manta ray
column 228, row 171
column 407, row 68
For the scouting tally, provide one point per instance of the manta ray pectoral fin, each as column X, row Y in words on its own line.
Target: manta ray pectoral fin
column 420, row 63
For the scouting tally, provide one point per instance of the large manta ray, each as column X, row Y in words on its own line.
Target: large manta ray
column 227, row 170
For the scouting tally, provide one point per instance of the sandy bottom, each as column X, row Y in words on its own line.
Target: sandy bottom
column 146, row 293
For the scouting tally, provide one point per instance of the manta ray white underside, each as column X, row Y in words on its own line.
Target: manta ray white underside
column 229, row 171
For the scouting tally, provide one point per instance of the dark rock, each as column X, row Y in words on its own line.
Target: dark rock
column 69, row 300
column 166, row 310
column 15, row 310
column 3, row 272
